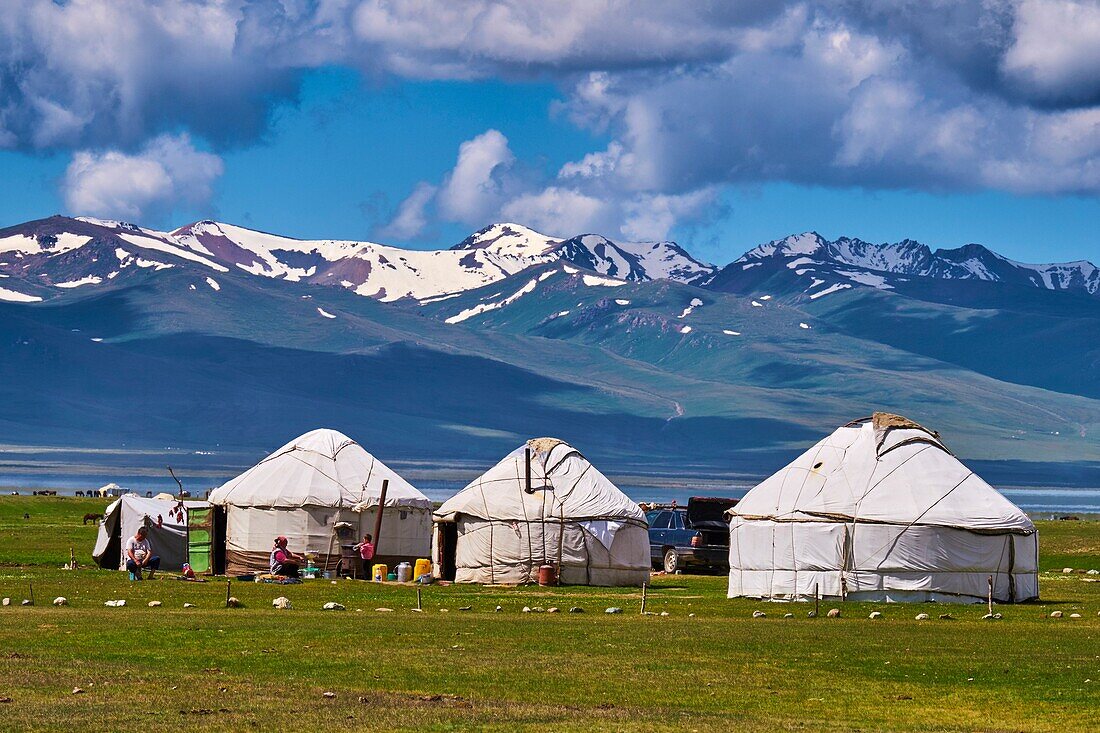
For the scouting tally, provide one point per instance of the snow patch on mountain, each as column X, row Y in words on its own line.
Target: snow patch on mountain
column 13, row 296
column 835, row 287
column 89, row 280
column 485, row 307
column 593, row 281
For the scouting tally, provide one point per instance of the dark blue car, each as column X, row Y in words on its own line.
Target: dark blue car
column 695, row 536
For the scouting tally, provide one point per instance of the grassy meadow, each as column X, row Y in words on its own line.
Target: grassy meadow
column 707, row 665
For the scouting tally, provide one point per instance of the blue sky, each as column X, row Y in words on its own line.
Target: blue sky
column 736, row 128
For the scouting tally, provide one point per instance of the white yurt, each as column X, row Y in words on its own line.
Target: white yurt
column 304, row 490
column 881, row 510
column 543, row 504
column 166, row 521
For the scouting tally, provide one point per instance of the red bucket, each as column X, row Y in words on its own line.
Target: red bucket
column 548, row 575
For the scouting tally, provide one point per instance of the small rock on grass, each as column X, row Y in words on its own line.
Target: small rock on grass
column 384, row 610
column 154, row 604
column 759, row 614
column 61, row 601
column 5, row 699
column 946, row 617
column 788, row 615
column 1075, row 615
column 1056, row 614
column 27, row 602
column 78, row 691
column 498, row 609
column 875, row 614
column 1067, row 570
column 333, row 606
column 691, row 615
column 189, row 605
column 614, row 609
column 664, row 613
column 6, row 602
column 922, row 617
column 553, row 609
column 115, row 604
column 329, row 695
column 526, row 609
column 234, row 602
column 833, row 613
column 282, row 603
column 576, row 609
column 465, row 608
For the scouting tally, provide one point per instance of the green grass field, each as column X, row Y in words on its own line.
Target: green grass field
column 213, row 668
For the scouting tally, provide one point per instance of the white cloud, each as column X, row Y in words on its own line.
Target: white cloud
column 560, row 212
column 168, row 171
column 412, row 216
column 995, row 94
column 649, row 218
column 475, row 186
column 1055, row 51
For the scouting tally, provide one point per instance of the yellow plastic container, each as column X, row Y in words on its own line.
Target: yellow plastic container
column 379, row 572
column 423, row 567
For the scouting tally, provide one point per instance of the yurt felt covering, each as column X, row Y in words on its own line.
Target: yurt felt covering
column 881, row 510
column 570, row 516
column 305, row 488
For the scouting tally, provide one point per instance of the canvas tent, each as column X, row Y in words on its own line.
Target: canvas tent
column 543, row 504
column 111, row 489
column 881, row 510
column 165, row 520
column 304, row 489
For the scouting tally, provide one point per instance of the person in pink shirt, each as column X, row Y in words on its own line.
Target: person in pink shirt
column 366, row 552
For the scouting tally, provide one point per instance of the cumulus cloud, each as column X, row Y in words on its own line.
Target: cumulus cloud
column 1055, row 51
column 922, row 94
column 167, row 172
column 411, row 217
column 476, row 185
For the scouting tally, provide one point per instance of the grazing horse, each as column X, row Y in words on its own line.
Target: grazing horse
column 92, row 517
column 79, row 493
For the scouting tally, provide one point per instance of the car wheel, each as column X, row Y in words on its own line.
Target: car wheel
column 672, row 561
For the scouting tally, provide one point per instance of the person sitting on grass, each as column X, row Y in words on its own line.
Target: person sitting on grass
column 139, row 554
column 283, row 561
column 366, row 552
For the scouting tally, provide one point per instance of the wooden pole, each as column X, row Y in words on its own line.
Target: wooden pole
column 72, row 559
column 419, row 607
column 527, row 471
column 228, row 585
column 31, row 583
column 378, row 516
column 990, row 595
column 817, row 599
column 645, row 587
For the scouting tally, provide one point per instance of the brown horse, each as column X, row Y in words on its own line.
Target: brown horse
column 92, row 517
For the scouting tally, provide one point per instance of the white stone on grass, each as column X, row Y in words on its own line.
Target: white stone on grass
column 282, row 603
column 61, row 601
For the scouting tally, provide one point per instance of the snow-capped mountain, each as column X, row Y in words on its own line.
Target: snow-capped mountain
column 814, row 266
column 635, row 261
column 39, row 257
